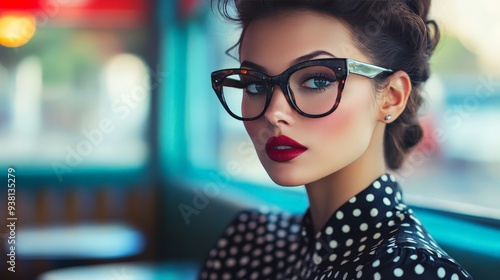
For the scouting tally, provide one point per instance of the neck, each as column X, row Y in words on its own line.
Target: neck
column 326, row 195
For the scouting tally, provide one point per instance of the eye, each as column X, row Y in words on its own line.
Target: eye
column 317, row 82
column 255, row 88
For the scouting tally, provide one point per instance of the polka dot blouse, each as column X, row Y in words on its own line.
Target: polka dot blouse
column 372, row 236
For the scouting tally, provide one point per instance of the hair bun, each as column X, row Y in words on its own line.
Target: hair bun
column 433, row 35
column 412, row 135
column 401, row 136
column 420, row 8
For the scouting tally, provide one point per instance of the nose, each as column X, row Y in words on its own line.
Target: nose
column 279, row 112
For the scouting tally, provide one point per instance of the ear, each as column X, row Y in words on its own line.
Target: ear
column 394, row 96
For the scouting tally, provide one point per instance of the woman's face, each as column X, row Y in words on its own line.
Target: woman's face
column 329, row 143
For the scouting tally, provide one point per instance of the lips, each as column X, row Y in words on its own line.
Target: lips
column 283, row 148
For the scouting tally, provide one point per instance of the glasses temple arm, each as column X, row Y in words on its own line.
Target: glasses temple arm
column 365, row 69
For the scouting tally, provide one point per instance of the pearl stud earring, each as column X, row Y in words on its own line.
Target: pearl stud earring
column 388, row 118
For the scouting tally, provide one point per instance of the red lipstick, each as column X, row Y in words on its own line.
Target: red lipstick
column 283, row 148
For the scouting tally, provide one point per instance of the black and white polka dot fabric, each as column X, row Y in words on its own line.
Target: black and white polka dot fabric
column 372, row 236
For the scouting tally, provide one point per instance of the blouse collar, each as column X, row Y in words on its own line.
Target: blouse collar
column 356, row 221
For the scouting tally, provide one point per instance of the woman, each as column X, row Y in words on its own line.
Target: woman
column 337, row 85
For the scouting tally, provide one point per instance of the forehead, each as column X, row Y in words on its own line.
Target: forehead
column 274, row 41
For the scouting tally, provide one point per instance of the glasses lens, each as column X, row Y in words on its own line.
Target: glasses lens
column 245, row 95
column 315, row 89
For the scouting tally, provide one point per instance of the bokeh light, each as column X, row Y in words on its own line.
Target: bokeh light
column 16, row 29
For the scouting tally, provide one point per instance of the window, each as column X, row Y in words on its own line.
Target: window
column 77, row 95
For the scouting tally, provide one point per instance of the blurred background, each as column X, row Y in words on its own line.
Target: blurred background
column 126, row 165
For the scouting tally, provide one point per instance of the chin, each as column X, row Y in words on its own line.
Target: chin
column 285, row 174
column 287, row 183
column 284, row 179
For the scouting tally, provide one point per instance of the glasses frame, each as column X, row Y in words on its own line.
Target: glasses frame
column 341, row 66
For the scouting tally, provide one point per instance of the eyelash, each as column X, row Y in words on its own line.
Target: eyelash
column 320, row 75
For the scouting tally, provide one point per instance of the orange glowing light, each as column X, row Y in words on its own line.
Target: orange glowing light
column 16, row 29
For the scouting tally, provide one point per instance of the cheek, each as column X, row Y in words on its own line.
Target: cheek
column 349, row 129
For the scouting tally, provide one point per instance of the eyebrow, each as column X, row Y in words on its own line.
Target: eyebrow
column 306, row 57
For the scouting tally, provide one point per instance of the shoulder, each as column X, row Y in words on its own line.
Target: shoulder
column 250, row 226
column 411, row 263
column 261, row 222
column 410, row 252
column 251, row 243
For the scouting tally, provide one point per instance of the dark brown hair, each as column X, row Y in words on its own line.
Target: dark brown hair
column 395, row 34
